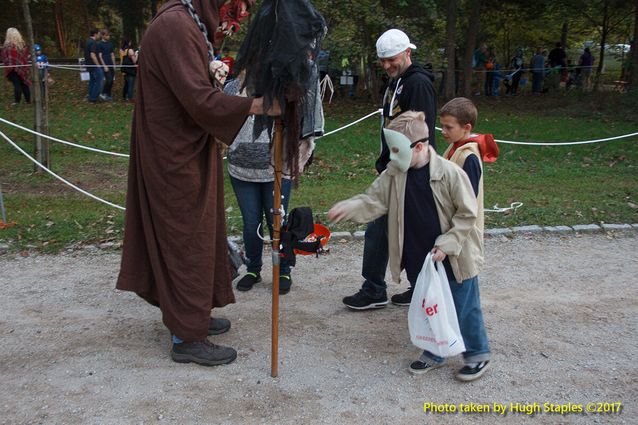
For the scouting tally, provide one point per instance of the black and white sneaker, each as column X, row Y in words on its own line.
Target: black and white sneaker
column 361, row 301
column 404, row 298
column 470, row 373
column 247, row 282
column 419, row 367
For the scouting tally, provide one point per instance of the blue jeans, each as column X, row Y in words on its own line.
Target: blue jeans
column 255, row 201
column 128, row 91
column 375, row 258
column 467, row 302
column 96, row 77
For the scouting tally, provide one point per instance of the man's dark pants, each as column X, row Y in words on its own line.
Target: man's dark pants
column 375, row 258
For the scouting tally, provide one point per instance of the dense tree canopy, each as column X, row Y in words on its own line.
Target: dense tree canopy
column 62, row 25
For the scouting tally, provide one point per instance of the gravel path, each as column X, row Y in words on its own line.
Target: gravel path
column 561, row 314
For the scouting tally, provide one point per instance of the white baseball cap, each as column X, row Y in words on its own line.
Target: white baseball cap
column 392, row 42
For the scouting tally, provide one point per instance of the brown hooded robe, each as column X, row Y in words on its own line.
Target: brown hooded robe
column 175, row 253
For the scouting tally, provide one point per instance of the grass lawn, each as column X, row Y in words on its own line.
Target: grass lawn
column 557, row 185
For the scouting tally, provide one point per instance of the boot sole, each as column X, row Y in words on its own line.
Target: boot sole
column 372, row 306
column 218, row 331
column 188, row 358
column 426, row 370
column 469, row 378
column 247, row 288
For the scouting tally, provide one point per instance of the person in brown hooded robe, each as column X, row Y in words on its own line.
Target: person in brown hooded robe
column 175, row 253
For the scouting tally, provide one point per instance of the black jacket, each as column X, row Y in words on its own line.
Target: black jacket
column 412, row 91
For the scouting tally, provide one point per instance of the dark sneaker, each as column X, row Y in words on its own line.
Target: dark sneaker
column 361, row 301
column 468, row 373
column 246, row 283
column 218, row 326
column 403, row 299
column 419, row 367
column 285, row 282
column 204, row 353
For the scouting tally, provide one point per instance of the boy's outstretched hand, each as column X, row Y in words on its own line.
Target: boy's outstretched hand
column 337, row 213
column 438, row 255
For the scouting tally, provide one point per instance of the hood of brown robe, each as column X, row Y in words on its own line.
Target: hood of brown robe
column 207, row 10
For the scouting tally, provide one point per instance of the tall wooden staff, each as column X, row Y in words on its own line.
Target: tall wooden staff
column 275, row 55
column 274, row 357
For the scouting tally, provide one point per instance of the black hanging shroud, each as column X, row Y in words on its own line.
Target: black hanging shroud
column 278, row 56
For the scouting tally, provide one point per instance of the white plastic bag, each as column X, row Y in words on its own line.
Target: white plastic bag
column 432, row 317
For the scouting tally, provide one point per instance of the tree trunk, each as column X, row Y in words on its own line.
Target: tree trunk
column 41, row 145
column 603, row 40
column 450, row 50
column 60, row 31
column 633, row 82
column 472, row 34
column 563, row 35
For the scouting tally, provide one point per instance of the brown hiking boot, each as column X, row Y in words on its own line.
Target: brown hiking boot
column 204, row 353
column 217, row 326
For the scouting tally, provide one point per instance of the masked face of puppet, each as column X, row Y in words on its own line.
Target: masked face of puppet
column 231, row 13
column 219, row 71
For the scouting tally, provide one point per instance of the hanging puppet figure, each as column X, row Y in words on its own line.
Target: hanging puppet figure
column 219, row 72
column 175, row 253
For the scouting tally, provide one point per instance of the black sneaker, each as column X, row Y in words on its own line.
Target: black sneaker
column 361, row 301
column 218, row 326
column 285, row 282
column 246, row 283
column 419, row 367
column 467, row 373
column 403, row 299
column 204, row 353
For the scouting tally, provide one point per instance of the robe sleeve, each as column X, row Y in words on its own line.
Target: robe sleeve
column 188, row 78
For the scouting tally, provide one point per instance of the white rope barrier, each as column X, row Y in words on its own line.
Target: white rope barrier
column 68, row 183
column 74, row 67
column 64, row 142
column 583, row 142
column 513, row 207
column 351, row 124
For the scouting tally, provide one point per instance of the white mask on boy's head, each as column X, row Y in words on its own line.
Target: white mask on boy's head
column 400, row 149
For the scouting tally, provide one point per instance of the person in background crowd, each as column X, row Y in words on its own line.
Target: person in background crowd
column 489, row 68
column 228, row 60
column 129, row 60
column 558, row 62
column 537, row 66
column 95, row 68
column 516, row 65
column 15, row 55
column 42, row 62
column 106, row 56
column 586, row 63
column 480, row 59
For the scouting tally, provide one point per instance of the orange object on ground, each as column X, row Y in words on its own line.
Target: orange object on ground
column 4, row 225
column 319, row 230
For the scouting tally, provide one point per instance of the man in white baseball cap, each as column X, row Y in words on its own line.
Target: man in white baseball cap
column 409, row 89
column 392, row 42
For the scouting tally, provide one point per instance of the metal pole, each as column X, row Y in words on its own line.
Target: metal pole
column 4, row 215
column 275, row 249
